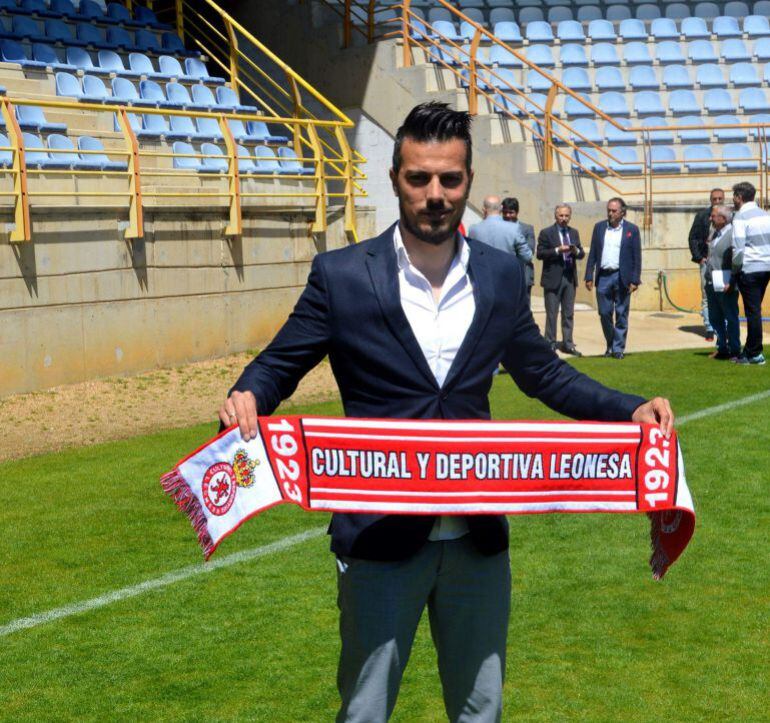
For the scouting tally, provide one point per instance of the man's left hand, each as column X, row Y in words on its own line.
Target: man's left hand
column 632, row 287
column 656, row 411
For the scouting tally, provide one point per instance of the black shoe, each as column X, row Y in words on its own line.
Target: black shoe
column 554, row 346
column 607, row 354
column 721, row 355
column 571, row 349
column 619, row 355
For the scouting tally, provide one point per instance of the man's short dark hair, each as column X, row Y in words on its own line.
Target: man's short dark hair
column 745, row 191
column 619, row 200
column 434, row 121
column 511, row 204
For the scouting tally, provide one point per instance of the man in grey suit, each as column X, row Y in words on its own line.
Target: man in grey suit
column 494, row 231
column 511, row 214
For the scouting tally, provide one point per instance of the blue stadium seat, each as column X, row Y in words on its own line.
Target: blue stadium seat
column 608, row 77
column 718, row 100
column 539, row 55
column 573, row 108
column 208, row 128
column 66, row 157
column 559, row 14
column 658, row 136
column 534, row 104
column 683, row 101
column 615, row 135
column 111, row 62
column 700, row 159
column 124, row 91
column 228, row 98
column 94, row 90
column 172, row 43
column 664, row 29
column 756, row 26
column 238, row 129
column 120, row 38
column 501, row 15
column 181, row 148
column 498, row 55
column 92, row 35
column 725, row 26
column 90, row 10
column 762, row 49
column 626, row 160
column 259, row 130
column 728, row 134
column 573, row 55
column 569, row 30
column 588, row 160
column 445, row 29
column 589, row 13
column 195, row 69
column 170, row 67
column 613, row 103
column 13, row 52
column 599, row 30
column 133, row 120
column 32, row 117
column 767, row 74
column 642, row 77
column 710, row 75
column 147, row 41
column 266, row 160
column 702, row 51
column 632, row 29
column 63, row 7
column 142, row 65
column 617, row 13
column 677, row 11
column 152, row 94
column 676, row 76
column 35, row 154
column 647, row 11
column 218, row 164
column 439, row 15
column 736, row 8
column 663, row 160
column 636, row 53
column 46, row 55
column 245, row 163
column 34, row 7
column 504, row 78
column 588, row 130
column 26, row 28
column 692, row 135
column 734, row 51
column 57, row 31
column 761, row 7
column 467, row 30
column 706, row 10
column 695, row 28
column 152, row 126
column 537, row 81
column 576, row 79
column 744, row 74
column 648, row 102
column 668, row 51
column 183, row 127
column 738, row 157
column 118, row 13
column 68, row 84
column 508, row 32
column 79, row 58
column 756, row 133
column 753, row 100
column 604, row 54
column 289, row 163
column 146, row 16
column 178, row 95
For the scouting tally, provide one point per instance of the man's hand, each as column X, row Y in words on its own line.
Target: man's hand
column 563, row 249
column 589, row 285
column 656, row 411
column 633, row 287
column 240, row 408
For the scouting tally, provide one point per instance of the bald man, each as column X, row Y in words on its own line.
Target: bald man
column 495, row 231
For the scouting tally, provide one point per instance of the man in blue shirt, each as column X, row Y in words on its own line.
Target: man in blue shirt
column 497, row 232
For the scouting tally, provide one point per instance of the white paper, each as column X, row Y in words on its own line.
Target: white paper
column 720, row 279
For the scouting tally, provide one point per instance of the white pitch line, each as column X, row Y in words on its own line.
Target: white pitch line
column 169, row 578
column 255, row 552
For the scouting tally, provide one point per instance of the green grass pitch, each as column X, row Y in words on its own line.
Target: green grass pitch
column 592, row 637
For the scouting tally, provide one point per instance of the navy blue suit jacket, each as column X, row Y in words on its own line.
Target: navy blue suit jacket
column 351, row 310
column 630, row 253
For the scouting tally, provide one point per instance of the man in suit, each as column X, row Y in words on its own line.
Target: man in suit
column 494, row 231
column 700, row 231
column 414, row 322
column 558, row 247
column 615, row 260
column 511, row 214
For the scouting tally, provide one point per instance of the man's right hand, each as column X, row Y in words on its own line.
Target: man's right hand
column 240, row 408
column 589, row 285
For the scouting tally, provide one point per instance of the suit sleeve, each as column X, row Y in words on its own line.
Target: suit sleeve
column 522, row 249
column 591, row 263
column 636, row 247
column 696, row 237
column 581, row 251
column 544, row 248
column 300, row 344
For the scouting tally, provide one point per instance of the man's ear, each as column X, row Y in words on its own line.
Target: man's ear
column 393, row 180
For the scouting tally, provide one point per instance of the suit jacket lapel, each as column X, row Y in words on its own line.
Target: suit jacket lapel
column 383, row 271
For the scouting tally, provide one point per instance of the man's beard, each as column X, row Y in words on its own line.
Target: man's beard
column 435, row 237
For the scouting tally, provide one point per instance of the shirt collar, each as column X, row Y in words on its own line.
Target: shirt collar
column 617, row 228
column 748, row 205
column 402, row 256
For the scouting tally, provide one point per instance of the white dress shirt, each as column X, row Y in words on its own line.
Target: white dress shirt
column 439, row 327
column 611, row 251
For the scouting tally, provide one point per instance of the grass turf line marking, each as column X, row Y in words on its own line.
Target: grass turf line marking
column 169, row 578
column 255, row 552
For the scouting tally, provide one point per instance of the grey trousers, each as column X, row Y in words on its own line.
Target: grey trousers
column 704, row 308
column 468, row 600
column 563, row 297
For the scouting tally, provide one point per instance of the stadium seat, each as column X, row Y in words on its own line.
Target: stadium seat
column 57, row 31
column 668, row 51
column 151, row 94
column 647, row 11
column 474, row 13
column 530, row 15
column 90, row 10
column 700, row 159
column 737, row 9
column 142, row 65
column 573, row 55
column 576, row 79
column 290, row 164
column 641, row 77
column 539, row 55
column 735, row 51
column 133, row 120
column 692, row 135
column 695, row 28
column 183, row 127
column 539, row 32
column 155, row 126
column 501, row 15
column 80, row 59
column 172, row 43
column 604, row 54
column 94, row 90
column 439, row 15
column 626, row 160
column 569, row 30
column 92, row 35
column 753, row 100
column 180, row 149
column 504, row 78
column 62, row 152
column 111, row 62
column 26, row 28
column 146, row 16
column 68, row 84
column 239, row 132
column 725, row 26
column 534, row 104
column 756, row 26
column 612, row 103
column 196, row 69
column 266, row 160
column 664, row 29
column 559, row 14
column 761, row 7
column 599, row 30
column 677, row 11
column 683, row 101
column 744, row 74
column 63, row 7
column 467, row 30
column 588, row 130
column 228, row 98
column 702, row 51
column 588, row 160
column 537, row 81
column 760, row 118
column 219, row 164
column 147, row 41
column 35, row 154
column 498, row 55
column 632, row 29
column 663, row 160
column 738, row 157
column 710, row 75
column 728, row 134
column 259, row 130
column 648, row 102
column 208, row 128
column 507, row 31
column 762, row 49
column 245, row 163
column 767, row 74
column 615, row 135
column 118, row 13
column 124, row 91
column 31, row 117
column 718, row 100
column 119, row 38
column 13, row 52
column 573, row 108
column 589, row 13
column 178, row 95
column 608, row 77
column 706, row 10
column 617, row 13
column 445, row 30
column 46, row 55
column 636, row 53
column 657, row 136
column 676, row 76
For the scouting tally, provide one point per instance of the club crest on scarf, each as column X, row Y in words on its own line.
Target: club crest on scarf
column 221, row 482
column 244, row 468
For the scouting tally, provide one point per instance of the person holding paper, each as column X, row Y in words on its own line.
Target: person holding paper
column 721, row 293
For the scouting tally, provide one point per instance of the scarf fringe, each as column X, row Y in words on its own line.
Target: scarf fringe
column 659, row 561
column 175, row 486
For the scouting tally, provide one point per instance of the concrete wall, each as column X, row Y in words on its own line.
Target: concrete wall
column 80, row 302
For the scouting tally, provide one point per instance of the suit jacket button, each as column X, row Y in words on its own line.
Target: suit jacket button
column 444, row 396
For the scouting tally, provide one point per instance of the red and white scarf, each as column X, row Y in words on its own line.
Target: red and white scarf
column 426, row 467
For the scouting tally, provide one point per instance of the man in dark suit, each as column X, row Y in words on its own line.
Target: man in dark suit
column 615, row 260
column 558, row 247
column 414, row 323
column 527, row 230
